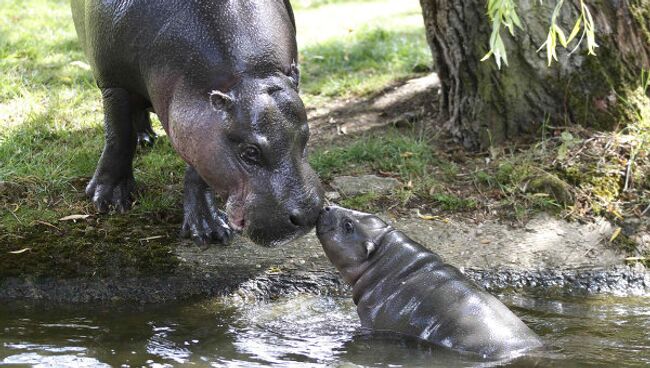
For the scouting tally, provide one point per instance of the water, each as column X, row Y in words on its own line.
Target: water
column 305, row 331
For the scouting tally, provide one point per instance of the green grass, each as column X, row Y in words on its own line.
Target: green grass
column 363, row 62
column 367, row 202
column 345, row 56
column 402, row 155
column 453, row 203
column 398, row 154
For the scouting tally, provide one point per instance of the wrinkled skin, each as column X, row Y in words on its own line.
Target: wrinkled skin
column 400, row 286
column 223, row 79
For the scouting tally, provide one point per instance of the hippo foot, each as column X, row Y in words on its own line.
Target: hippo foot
column 143, row 130
column 146, row 138
column 110, row 195
column 206, row 226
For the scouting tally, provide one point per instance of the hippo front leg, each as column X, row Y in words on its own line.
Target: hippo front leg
column 113, row 184
column 202, row 220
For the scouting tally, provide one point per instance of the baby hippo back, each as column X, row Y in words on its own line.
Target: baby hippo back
column 410, row 290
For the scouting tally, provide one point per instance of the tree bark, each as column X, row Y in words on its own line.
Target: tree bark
column 483, row 105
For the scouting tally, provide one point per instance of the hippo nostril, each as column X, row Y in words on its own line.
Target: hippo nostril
column 296, row 218
column 327, row 209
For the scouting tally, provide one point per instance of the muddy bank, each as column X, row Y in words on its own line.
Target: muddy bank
column 544, row 254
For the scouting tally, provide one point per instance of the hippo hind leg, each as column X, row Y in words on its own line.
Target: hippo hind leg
column 202, row 220
column 113, row 184
column 144, row 132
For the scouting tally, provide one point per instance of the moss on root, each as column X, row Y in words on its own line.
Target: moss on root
column 553, row 186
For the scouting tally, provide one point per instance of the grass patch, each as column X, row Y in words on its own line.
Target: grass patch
column 512, row 181
column 345, row 56
column 402, row 155
column 394, row 154
column 363, row 62
column 453, row 203
column 577, row 173
column 363, row 202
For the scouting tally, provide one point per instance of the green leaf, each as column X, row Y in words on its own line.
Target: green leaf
column 501, row 49
column 516, row 20
column 576, row 29
column 487, row 56
column 549, row 48
column 560, row 35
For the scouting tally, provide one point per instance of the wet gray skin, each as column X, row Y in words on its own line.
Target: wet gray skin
column 223, row 79
column 400, row 286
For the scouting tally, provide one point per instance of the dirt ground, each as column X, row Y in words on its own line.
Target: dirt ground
column 398, row 105
column 547, row 252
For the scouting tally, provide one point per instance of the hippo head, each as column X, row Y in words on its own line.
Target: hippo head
column 249, row 145
column 350, row 239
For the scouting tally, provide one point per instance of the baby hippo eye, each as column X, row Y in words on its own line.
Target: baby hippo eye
column 348, row 226
column 251, row 155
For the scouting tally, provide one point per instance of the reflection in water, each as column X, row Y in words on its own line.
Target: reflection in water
column 39, row 360
column 299, row 330
column 305, row 331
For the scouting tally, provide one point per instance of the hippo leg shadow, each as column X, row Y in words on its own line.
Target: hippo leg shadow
column 112, row 185
column 203, row 222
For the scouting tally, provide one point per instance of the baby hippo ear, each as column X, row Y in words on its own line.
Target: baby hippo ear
column 220, row 100
column 294, row 74
column 370, row 247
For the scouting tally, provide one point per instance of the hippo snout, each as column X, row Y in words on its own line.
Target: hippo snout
column 274, row 223
column 306, row 217
column 326, row 220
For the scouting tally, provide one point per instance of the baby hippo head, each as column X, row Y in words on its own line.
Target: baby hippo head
column 349, row 239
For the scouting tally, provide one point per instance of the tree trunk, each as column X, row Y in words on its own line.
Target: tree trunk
column 483, row 105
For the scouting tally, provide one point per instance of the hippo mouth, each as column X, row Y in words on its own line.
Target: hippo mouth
column 326, row 223
column 323, row 230
column 236, row 213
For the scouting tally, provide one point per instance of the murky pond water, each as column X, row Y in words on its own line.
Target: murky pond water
column 305, row 331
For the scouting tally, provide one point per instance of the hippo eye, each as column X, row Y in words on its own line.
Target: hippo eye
column 251, row 155
column 348, row 226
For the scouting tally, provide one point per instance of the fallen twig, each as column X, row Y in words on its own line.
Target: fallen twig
column 645, row 211
column 151, row 238
column 48, row 224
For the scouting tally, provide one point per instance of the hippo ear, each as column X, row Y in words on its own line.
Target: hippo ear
column 294, row 74
column 221, row 100
column 370, row 248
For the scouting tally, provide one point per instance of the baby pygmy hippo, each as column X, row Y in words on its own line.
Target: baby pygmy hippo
column 400, row 286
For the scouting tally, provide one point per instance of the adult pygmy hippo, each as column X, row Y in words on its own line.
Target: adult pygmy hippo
column 400, row 286
column 223, row 79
